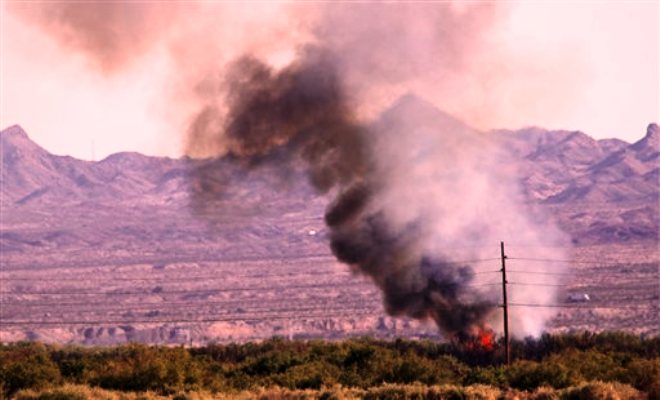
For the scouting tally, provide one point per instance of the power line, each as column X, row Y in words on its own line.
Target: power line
column 354, row 311
column 244, row 304
column 165, row 321
column 199, row 291
column 600, row 275
column 252, row 310
column 540, row 246
column 217, row 276
column 505, row 306
column 158, row 279
column 159, row 290
column 591, row 306
column 214, row 291
column 473, row 261
column 220, row 274
column 202, row 260
column 536, row 284
column 269, row 312
column 486, row 284
column 124, row 262
column 164, row 304
column 577, row 273
column 540, row 272
column 602, row 263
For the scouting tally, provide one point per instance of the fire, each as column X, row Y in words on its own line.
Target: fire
column 486, row 339
column 478, row 338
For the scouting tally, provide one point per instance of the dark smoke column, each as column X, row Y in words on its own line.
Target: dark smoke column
column 302, row 113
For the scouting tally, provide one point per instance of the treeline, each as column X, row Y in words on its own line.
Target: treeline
column 551, row 361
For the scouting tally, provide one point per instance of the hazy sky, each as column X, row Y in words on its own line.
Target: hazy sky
column 590, row 66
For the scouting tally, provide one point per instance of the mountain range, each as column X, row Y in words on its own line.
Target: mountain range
column 599, row 191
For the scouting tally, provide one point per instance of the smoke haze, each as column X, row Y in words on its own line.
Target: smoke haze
column 110, row 34
column 449, row 53
column 307, row 83
column 403, row 187
column 496, row 65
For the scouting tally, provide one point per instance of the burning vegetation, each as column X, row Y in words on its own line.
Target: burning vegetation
column 303, row 113
column 408, row 189
column 480, row 338
column 401, row 186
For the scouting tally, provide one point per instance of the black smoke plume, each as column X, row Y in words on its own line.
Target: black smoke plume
column 303, row 112
column 414, row 180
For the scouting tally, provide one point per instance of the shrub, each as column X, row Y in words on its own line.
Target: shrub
column 544, row 393
column 313, row 375
column 396, row 392
column 273, row 362
column 591, row 364
column 60, row 393
column 28, row 365
column 301, row 368
column 493, row 376
column 529, row 375
column 601, row 390
column 643, row 374
column 141, row 368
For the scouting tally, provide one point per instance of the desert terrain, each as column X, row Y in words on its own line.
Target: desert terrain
column 112, row 251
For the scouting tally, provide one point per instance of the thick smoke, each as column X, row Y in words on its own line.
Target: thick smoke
column 414, row 180
column 301, row 108
column 417, row 194
column 112, row 34
column 302, row 112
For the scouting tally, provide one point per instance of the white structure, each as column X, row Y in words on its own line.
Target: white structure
column 578, row 298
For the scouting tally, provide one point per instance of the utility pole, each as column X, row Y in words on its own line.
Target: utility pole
column 505, row 307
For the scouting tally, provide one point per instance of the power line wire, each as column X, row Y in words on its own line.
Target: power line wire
column 602, row 263
column 267, row 309
column 164, row 304
column 251, row 310
column 360, row 311
column 207, row 277
column 536, row 284
column 579, row 306
column 159, row 279
column 199, row 291
column 600, row 274
column 178, row 320
column 160, row 290
column 536, row 272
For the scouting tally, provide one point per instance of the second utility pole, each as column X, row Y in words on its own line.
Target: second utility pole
column 505, row 307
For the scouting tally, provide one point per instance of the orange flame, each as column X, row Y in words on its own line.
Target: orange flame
column 486, row 339
column 479, row 337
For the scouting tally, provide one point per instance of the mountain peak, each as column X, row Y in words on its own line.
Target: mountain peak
column 14, row 141
column 412, row 100
column 653, row 131
column 411, row 107
column 649, row 143
column 14, row 131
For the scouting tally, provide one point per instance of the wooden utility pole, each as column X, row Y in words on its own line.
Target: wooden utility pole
column 505, row 307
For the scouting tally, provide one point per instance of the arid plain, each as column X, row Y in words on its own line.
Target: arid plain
column 113, row 251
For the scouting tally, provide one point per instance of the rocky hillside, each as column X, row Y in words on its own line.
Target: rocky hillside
column 562, row 167
column 599, row 190
column 31, row 175
column 137, row 248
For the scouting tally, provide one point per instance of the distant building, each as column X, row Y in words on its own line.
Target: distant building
column 578, row 298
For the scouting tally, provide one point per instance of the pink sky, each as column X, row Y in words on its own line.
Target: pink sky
column 589, row 66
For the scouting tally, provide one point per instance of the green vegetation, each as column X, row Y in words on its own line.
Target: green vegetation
column 612, row 365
